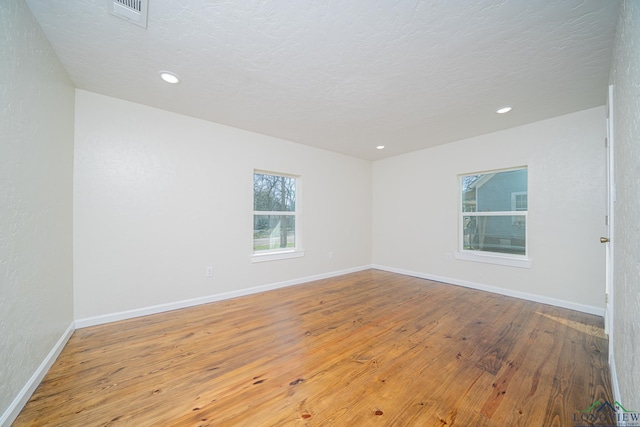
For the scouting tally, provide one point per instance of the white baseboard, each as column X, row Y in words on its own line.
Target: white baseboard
column 502, row 291
column 145, row 311
column 22, row 398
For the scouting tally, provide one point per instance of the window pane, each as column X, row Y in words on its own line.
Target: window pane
column 494, row 192
column 519, row 202
column 274, row 193
column 502, row 234
column 273, row 232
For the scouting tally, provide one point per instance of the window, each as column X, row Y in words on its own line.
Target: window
column 493, row 218
column 519, row 203
column 275, row 216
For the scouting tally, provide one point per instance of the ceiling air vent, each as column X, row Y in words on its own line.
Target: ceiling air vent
column 134, row 11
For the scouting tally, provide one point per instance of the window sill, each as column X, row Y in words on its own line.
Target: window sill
column 515, row 261
column 275, row 256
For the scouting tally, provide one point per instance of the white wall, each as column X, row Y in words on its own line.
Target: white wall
column 160, row 196
column 36, row 165
column 625, row 76
column 415, row 208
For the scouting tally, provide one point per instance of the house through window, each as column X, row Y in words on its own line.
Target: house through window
column 493, row 217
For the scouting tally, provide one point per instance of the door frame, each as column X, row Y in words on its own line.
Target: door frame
column 610, row 220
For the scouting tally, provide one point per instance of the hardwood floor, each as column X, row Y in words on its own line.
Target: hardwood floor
column 365, row 349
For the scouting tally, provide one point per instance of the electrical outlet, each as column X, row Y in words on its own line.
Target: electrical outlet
column 330, row 254
column 448, row 257
column 209, row 271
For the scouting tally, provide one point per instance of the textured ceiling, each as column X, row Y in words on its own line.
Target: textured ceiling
column 345, row 75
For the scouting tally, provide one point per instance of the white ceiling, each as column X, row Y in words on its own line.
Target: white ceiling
column 345, row 75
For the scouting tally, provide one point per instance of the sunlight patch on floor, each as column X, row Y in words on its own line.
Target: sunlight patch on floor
column 595, row 331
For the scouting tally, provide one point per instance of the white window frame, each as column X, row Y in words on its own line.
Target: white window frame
column 514, row 205
column 285, row 253
column 512, row 260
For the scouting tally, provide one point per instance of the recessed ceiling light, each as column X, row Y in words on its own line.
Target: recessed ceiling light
column 380, row 147
column 504, row 109
column 169, row 77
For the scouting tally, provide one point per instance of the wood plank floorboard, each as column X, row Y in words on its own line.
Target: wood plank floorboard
column 371, row 348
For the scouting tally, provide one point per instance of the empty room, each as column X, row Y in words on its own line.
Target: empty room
column 322, row 213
